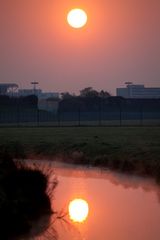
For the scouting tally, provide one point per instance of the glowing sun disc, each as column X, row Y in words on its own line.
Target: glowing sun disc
column 77, row 18
column 78, row 210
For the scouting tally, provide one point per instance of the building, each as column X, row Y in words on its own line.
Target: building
column 50, row 104
column 27, row 92
column 13, row 91
column 48, row 101
column 8, row 88
column 138, row 91
column 38, row 92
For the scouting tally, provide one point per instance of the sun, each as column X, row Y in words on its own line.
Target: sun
column 77, row 18
column 78, row 210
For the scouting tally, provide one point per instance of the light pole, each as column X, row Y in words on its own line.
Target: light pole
column 34, row 86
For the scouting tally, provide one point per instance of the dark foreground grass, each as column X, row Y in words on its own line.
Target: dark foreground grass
column 128, row 149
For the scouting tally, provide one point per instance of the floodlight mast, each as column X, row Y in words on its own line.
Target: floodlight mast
column 34, row 86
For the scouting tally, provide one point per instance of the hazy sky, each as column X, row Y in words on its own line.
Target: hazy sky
column 120, row 43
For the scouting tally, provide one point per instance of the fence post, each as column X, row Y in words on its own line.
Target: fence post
column 120, row 116
column 18, row 111
column 79, row 117
column 100, row 111
column 17, row 115
column 141, row 115
column 58, row 118
column 37, row 117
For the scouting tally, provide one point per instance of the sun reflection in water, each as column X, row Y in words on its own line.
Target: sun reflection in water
column 78, row 210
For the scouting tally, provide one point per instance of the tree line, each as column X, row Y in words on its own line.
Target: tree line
column 91, row 100
column 88, row 92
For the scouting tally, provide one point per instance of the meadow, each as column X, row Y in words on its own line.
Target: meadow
column 128, row 149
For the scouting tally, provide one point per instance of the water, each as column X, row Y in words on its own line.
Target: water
column 121, row 207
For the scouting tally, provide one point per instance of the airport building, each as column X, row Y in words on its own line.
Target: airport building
column 138, row 91
column 12, row 90
column 8, row 88
column 38, row 92
column 48, row 101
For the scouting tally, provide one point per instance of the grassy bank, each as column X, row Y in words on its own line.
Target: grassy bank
column 129, row 149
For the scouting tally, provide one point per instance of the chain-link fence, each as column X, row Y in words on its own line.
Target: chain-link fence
column 119, row 117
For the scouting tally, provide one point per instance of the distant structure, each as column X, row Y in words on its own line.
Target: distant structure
column 27, row 92
column 38, row 92
column 49, row 104
column 8, row 88
column 13, row 90
column 47, row 101
column 34, row 85
column 138, row 91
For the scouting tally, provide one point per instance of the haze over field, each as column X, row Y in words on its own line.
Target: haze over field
column 121, row 42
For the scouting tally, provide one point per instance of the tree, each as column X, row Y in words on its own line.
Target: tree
column 66, row 95
column 104, row 94
column 88, row 92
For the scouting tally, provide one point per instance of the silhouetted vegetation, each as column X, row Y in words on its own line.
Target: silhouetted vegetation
column 23, row 199
column 90, row 92
column 102, row 109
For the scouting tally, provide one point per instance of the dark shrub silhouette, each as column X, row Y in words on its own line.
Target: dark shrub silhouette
column 23, row 198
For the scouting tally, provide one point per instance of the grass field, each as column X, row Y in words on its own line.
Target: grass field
column 131, row 149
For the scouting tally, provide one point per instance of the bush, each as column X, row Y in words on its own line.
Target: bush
column 23, row 198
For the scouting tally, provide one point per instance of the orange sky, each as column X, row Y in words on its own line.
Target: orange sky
column 121, row 42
